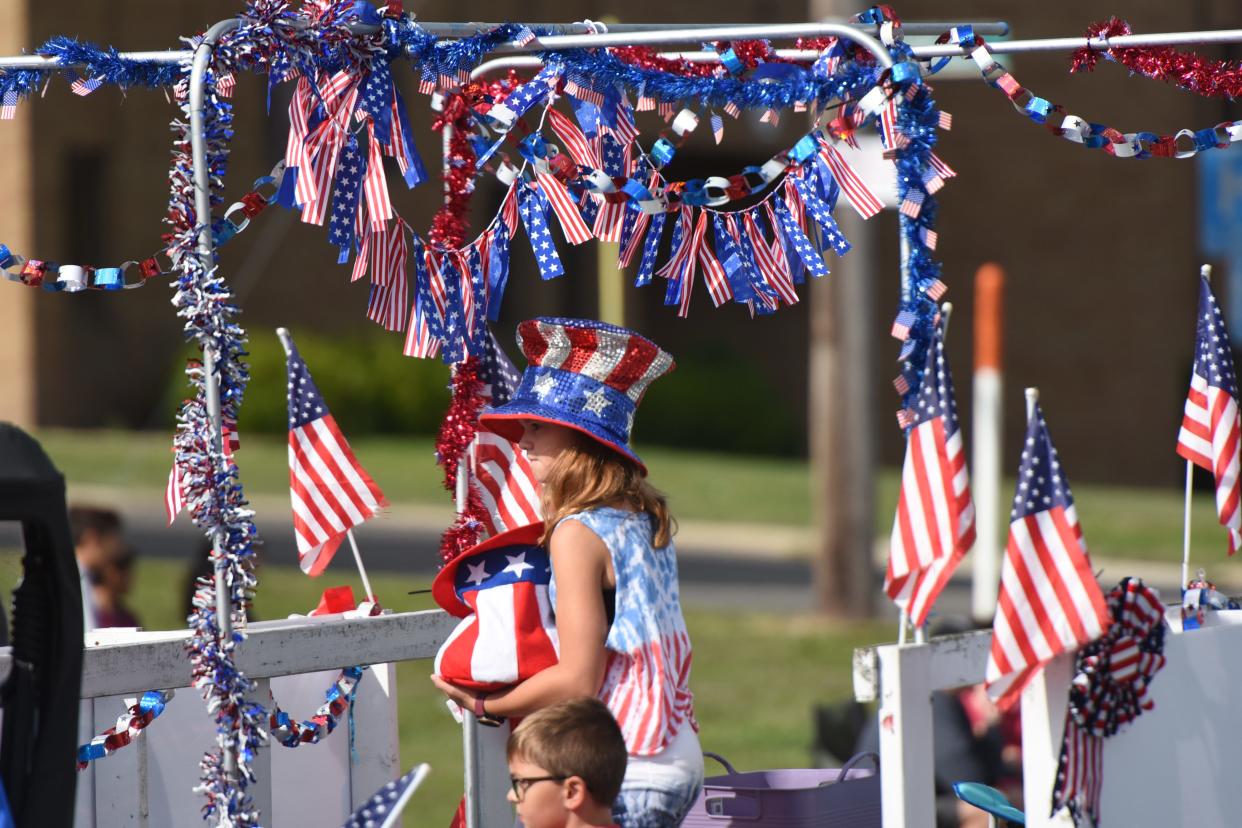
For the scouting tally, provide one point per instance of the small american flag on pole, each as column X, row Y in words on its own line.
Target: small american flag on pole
column 935, row 522
column 330, row 491
column 174, row 501
column 498, row 469
column 1049, row 600
column 174, row 493
column 383, row 809
column 1211, row 424
column 912, row 205
column 85, row 86
column 8, row 106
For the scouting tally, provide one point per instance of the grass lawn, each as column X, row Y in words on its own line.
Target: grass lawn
column 755, row 721
column 1119, row 522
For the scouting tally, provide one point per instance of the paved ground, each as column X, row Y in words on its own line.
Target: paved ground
column 721, row 565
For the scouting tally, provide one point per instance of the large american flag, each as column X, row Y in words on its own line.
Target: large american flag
column 331, row 492
column 498, row 469
column 935, row 522
column 1211, row 433
column 1049, row 600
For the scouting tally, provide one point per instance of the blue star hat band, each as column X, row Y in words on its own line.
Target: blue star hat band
column 586, row 375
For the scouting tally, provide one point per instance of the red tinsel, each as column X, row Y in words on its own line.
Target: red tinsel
column 1186, row 70
column 750, row 52
column 449, row 227
column 466, row 530
column 645, row 57
column 819, row 44
column 461, row 422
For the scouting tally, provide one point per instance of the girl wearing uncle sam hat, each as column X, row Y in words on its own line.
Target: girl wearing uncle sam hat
column 614, row 571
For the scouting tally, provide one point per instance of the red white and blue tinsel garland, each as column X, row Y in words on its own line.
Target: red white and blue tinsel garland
column 210, row 482
column 1108, row 691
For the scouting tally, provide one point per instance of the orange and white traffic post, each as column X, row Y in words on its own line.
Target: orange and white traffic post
column 988, row 390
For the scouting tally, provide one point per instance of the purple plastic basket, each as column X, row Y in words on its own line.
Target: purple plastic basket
column 812, row 798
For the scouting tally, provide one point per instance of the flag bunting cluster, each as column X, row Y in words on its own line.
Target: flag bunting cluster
column 1108, row 691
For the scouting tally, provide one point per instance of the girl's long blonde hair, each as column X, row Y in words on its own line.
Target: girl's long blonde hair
column 588, row 474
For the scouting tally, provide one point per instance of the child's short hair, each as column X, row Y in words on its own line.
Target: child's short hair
column 578, row 737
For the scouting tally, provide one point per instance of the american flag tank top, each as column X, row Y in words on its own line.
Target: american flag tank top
column 647, row 680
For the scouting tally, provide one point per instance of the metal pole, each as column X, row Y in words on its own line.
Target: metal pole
column 50, row 63
column 1205, row 272
column 691, row 35
column 516, row 62
column 462, row 30
column 202, row 215
column 1099, row 44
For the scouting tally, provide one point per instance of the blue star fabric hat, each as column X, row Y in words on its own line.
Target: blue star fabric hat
column 586, row 375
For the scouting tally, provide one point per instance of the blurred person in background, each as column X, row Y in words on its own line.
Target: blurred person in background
column 106, row 562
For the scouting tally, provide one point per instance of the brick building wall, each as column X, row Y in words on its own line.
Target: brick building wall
column 1101, row 252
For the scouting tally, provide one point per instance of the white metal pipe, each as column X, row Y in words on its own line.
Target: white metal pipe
column 49, row 63
column 1190, row 471
column 462, row 30
column 202, row 213
column 695, row 35
column 521, row 62
column 1100, row 44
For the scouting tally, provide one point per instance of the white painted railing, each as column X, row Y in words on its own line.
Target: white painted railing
column 1173, row 766
column 149, row 783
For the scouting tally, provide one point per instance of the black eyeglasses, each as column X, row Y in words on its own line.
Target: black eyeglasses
column 521, row 784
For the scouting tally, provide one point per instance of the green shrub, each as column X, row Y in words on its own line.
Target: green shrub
column 719, row 399
column 368, row 384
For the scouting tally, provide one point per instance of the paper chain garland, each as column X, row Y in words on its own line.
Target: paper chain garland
column 340, row 697
column 1141, row 145
column 1108, row 691
column 76, row 278
column 284, row 729
column 132, row 722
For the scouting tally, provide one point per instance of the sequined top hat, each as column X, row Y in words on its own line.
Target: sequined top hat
column 586, row 375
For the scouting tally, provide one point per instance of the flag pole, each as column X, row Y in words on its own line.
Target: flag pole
column 286, row 342
column 1206, row 272
column 1032, row 397
column 366, row 582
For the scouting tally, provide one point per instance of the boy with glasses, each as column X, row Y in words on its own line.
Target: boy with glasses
column 566, row 763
